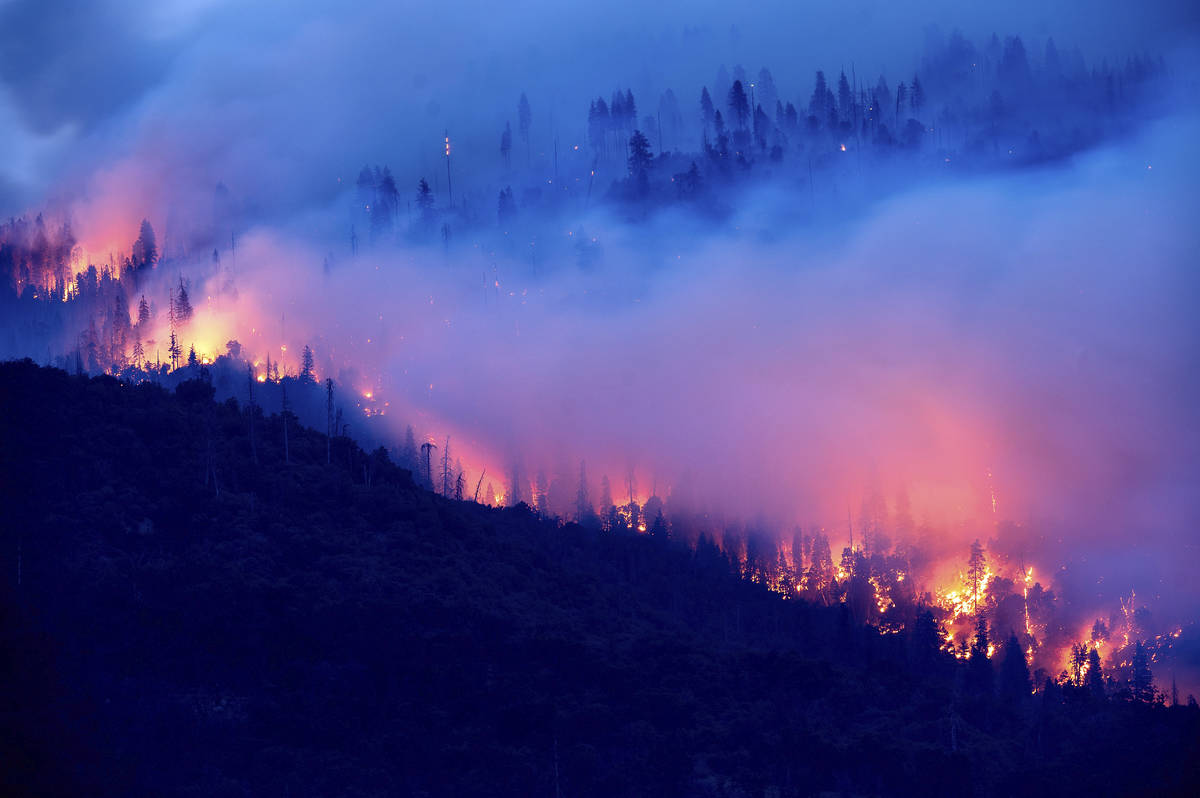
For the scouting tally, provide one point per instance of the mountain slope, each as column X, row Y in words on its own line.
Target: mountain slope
column 185, row 613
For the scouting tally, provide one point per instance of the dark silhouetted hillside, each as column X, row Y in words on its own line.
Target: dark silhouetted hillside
column 185, row 613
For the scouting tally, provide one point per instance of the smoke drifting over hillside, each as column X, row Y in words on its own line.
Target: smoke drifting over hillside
column 1012, row 353
column 1024, row 338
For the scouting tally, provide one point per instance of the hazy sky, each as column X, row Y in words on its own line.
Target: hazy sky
column 280, row 98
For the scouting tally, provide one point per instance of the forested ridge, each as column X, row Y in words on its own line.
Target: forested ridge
column 202, row 600
column 838, row 143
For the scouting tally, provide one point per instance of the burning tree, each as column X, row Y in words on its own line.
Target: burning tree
column 976, row 573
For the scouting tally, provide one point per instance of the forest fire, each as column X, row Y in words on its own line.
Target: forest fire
column 885, row 585
column 769, row 400
column 249, row 310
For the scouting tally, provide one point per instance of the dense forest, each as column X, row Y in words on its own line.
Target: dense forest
column 203, row 599
column 847, row 141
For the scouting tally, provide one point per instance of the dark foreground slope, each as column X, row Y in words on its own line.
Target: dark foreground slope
column 184, row 613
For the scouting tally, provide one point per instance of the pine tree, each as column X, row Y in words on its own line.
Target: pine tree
column 739, row 105
column 425, row 201
column 1143, row 681
column 707, row 111
column 926, row 642
column 881, row 99
column 1013, row 70
column 976, row 568
column 816, row 104
column 174, row 350
column 845, row 99
column 191, row 360
column 1078, row 663
column 979, row 667
column 639, row 154
column 120, row 312
column 145, row 248
column 918, row 95
column 1095, row 676
column 409, row 458
column 613, row 522
column 183, row 308
column 820, row 570
column 764, row 93
column 658, row 530
column 386, row 206
column 797, row 550
column 143, row 312
column 791, row 117
column 306, row 366
column 616, row 111
column 787, row 577
column 1014, row 671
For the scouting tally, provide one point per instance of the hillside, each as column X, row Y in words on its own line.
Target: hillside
column 189, row 610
